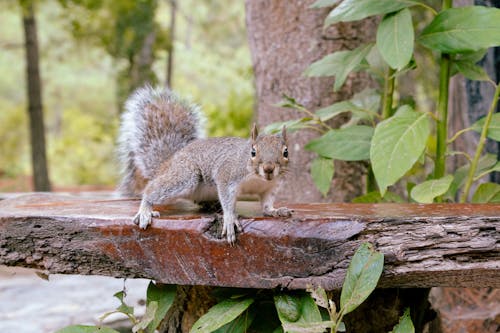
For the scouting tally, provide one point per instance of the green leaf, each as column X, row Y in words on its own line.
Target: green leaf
column 322, row 170
column 428, row 190
column 376, row 65
column 335, row 109
column 324, row 3
column 362, row 277
column 148, row 317
column 120, row 295
column 485, row 162
column 347, row 144
column 494, row 168
column 339, row 64
column 239, row 325
column 291, row 125
column 123, row 308
column 288, row 307
column 316, row 327
column 463, row 29
column 487, row 192
column 395, row 38
column 309, row 312
column 367, row 99
column 319, row 296
column 353, row 10
column 375, row 197
column 164, row 296
column 405, row 324
column 472, row 57
column 363, row 105
column 290, row 102
column 397, row 144
column 221, row 314
column 471, row 71
column 86, row 329
column 493, row 129
column 126, row 309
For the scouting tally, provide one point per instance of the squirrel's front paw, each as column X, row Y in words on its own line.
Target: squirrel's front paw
column 279, row 212
column 143, row 219
column 230, row 222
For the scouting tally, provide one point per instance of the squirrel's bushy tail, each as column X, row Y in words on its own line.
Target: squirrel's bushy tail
column 155, row 124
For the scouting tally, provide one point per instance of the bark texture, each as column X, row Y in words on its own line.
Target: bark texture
column 284, row 40
column 424, row 245
column 35, row 109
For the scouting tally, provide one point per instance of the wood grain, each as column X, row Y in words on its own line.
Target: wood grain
column 424, row 245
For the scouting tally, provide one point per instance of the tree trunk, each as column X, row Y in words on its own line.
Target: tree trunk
column 35, row 110
column 170, row 48
column 285, row 38
column 141, row 70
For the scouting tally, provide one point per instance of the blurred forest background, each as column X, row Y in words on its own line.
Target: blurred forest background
column 89, row 63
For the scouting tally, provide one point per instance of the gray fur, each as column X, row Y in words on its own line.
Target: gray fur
column 161, row 140
column 156, row 123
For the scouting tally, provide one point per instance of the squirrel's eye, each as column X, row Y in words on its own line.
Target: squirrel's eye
column 253, row 152
column 285, row 152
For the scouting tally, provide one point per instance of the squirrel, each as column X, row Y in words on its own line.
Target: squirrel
column 165, row 156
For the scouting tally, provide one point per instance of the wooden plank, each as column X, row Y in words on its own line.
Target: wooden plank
column 424, row 245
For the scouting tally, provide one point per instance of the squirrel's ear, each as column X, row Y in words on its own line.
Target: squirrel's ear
column 255, row 132
column 283, row 133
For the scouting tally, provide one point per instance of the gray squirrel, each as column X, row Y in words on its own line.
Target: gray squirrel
column 166, row 157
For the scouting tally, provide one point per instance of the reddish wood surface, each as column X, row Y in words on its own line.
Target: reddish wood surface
column 424, row 245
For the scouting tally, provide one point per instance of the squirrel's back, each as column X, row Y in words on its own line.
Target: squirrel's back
column 155, row 124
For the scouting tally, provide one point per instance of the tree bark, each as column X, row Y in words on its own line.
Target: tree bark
column 170, row 48
column 141, row 70
column 35, row 106
column 285, row 38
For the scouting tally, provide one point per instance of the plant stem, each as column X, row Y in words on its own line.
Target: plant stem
column 371, row 183
column 313, row 116
column 388, row 93
column 480, row 145
column 462, row 131
column 442, row 111
column 442, row 115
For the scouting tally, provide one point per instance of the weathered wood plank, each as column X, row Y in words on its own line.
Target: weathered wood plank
column 424, row 245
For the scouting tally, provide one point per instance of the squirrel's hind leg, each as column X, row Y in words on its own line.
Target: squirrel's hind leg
column 267, row 202
column 162, row 190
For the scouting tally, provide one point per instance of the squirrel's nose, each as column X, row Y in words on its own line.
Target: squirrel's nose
column 268, row 167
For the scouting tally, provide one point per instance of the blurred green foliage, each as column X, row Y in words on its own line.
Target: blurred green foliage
column 80, row 66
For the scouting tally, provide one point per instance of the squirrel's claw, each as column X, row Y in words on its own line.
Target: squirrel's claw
column 228, row 229
column 238, row 225
column 143, row 220
column 137, row 218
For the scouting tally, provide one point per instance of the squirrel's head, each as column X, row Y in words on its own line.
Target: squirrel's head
column 268, row 154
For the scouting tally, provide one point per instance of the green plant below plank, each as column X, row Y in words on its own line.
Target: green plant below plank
column 159, row 299
column 395, row 138
column 300, row 312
